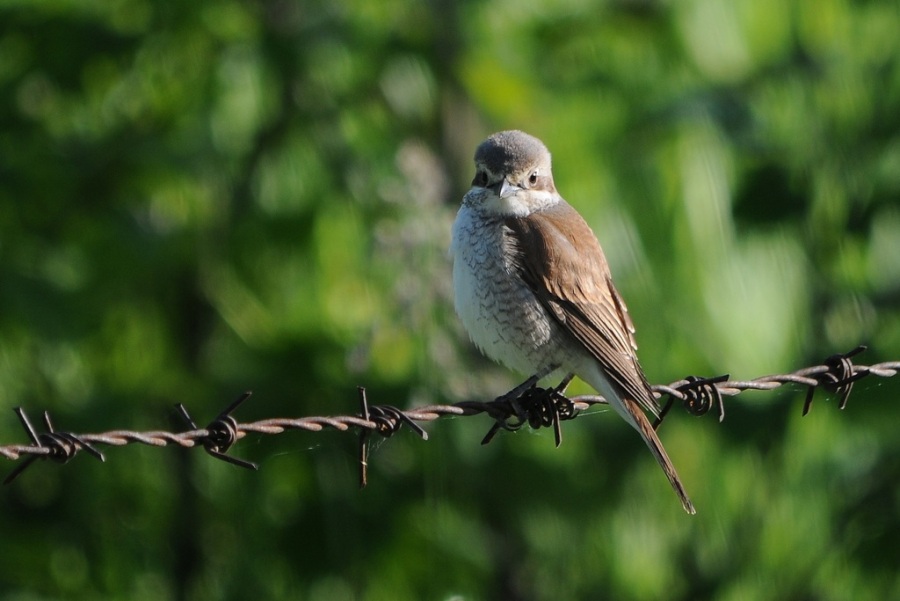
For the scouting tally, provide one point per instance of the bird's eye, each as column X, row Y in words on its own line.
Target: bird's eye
column 532, row 179
column 480, row 179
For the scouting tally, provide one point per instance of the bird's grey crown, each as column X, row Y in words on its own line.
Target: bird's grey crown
column 511, row 152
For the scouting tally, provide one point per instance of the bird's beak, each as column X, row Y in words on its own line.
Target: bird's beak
column 503, row 188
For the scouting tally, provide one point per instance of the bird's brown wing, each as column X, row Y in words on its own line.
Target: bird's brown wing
column 557, row 254
column 559, row 257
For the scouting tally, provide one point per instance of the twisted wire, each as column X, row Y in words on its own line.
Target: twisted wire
column 525, row 405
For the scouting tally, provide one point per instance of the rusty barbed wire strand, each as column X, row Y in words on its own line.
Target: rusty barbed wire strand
column 526, row 404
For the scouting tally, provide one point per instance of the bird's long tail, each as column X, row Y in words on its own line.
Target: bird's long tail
column 645, row 428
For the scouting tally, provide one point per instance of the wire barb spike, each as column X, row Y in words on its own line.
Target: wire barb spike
column 221, row 433
column 59, row 446
column 838, row 378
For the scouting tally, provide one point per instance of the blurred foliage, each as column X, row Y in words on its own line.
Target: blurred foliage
column 198, row 198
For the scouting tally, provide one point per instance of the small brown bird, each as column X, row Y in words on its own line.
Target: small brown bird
column 534, row 291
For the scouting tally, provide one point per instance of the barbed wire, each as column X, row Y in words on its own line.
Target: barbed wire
column 527, row 404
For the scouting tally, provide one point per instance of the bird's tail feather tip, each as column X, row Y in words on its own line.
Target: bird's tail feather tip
column 678, row 487
column 643, row 426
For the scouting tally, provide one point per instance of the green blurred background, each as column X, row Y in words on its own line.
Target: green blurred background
column 198, row 198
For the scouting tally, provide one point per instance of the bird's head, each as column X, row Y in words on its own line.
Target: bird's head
column 512, row 175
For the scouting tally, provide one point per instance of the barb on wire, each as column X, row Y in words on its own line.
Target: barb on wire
column 838, row 379
column 698, row 395
column 525, row 404
column 387, row 420
column 221, row 433
column 58, row 446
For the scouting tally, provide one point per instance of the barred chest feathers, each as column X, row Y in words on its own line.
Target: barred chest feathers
column 502, row 315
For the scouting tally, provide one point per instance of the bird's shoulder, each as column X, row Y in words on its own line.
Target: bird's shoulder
column 560, row 252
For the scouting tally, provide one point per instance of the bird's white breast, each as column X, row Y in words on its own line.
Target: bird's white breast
column 502, row 315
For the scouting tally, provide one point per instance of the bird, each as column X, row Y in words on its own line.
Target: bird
column 534, row 291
